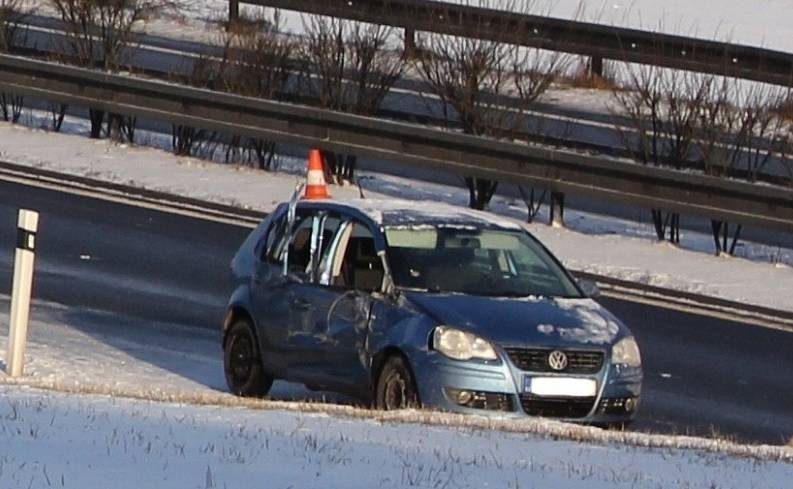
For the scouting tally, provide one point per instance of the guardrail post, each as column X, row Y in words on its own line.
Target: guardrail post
column 234, row 11
column 557, row 210
column 20, row 292
column 596, row 66
column 410, row 43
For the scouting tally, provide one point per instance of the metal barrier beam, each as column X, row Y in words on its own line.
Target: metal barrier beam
column 560, row 171
column 584, row 38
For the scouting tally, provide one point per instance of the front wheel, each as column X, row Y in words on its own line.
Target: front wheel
column 396, row 388
column 243, row 364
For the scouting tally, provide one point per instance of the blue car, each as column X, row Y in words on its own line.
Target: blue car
column 406, row 304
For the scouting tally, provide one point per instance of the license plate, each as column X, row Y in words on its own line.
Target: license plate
column 560, row 386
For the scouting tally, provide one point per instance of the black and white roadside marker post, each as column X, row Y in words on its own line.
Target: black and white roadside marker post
column 20, row 293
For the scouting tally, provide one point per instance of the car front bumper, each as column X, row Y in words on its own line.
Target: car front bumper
column 496, row 389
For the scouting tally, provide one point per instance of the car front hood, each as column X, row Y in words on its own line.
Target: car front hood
column 516, row 321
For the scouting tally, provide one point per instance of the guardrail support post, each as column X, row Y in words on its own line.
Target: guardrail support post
column 234, row 11
column 557, row 210
column 596, row 66
column 410, row 43
column 20, row 293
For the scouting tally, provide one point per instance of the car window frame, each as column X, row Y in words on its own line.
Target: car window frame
column 330, row 269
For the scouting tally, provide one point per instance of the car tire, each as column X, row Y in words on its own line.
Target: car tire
column 242, row 362
column 396, row 387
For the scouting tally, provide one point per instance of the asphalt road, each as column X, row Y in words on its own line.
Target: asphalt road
column 703, row 375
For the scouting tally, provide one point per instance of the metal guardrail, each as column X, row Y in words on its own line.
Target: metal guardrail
column 615, row 180
column 588, row 39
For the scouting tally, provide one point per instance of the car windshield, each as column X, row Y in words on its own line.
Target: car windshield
column 474, row 261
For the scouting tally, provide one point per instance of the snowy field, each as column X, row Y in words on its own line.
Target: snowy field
column 760, row 275
column 57, row 440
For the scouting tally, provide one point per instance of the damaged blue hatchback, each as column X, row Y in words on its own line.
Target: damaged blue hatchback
column 407, row 304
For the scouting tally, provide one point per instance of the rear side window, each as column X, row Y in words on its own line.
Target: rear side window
column 300, row 246
column 311, row 238
column 274, row 236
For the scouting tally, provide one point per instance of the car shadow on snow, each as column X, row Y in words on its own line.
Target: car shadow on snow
column 130, row 354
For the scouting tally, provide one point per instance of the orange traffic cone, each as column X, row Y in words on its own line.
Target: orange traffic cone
column 316, row 188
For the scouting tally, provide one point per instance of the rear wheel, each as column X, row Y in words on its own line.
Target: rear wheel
column 396, row 387
column 242, row 362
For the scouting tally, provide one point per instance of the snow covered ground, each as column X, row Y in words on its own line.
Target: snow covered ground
column 157, row 415
column 56, row 440
column 761, row 275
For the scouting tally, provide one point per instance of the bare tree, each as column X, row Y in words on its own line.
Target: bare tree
column 12, row 14
column 205, row 71
column 257, row 64
column 255, row 60
column 485, row 88
column 350, row 67
column 742, row 129
column 664, row 108
column 100, row 34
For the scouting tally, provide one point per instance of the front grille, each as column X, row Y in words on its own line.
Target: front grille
column 557, row 407
column 536, row 360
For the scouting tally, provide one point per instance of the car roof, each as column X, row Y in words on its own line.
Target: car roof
column 393, row 213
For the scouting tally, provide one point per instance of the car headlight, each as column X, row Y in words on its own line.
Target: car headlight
column 460, row 345
column 626, row 352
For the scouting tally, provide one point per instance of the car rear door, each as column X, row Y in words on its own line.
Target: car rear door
column 269, row 298
column 309, row 302
column 284, row 295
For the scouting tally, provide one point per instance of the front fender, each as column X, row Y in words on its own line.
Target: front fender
column 398, row 329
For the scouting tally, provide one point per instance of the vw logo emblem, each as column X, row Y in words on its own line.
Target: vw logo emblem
column 557, row 360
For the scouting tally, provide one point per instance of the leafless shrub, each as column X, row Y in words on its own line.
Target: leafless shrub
column 99, row 34
column 486, row 87
column 741, row 131
column 257, row 64
column 350, row 67
column 532, row 200
column 761, row 133
column 664, row 109
column 192, row 141
column 12, row 15
column 722, row 126
column 57, row 114
column 716, row 122
column 255, row 61
column 205, row 72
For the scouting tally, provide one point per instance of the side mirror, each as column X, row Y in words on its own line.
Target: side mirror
column 589, row 287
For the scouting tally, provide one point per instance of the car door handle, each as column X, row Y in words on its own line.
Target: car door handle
column 301, row 304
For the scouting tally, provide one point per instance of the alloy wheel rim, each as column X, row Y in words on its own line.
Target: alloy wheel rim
column 241, row 358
